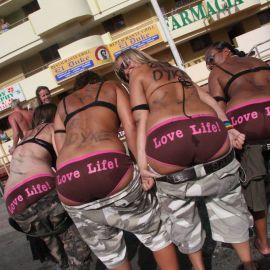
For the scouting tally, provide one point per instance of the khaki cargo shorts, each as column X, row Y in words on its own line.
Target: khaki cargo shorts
column 226, row 207
column 101, row 222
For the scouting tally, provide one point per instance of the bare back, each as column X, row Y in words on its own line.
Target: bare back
column 21, row 120
column 160, row 87
column 30, row 159
column 96, row 127
column 175, row 111
column 247, row 87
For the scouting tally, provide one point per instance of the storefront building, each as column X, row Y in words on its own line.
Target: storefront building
column 49, row 42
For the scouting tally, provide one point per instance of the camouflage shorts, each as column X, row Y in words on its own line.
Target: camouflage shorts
column 226, row 207
column 101, row 222
column 67, row 248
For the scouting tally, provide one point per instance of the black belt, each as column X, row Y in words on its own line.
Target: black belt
column 264, row 144
column 198, row 171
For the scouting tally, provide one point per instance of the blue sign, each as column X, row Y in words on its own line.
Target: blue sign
column 74, row 71
column 139, row 44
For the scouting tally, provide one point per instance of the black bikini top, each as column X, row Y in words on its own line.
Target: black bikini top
column 92, row 104
column 234, row 77
column 145, row 106
column 48, row 146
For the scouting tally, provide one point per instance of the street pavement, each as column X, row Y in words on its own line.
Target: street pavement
column 16, row 255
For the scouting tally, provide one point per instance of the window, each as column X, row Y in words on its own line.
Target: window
column 114, row 24
column 50, row 54
column 264, row 16
column 30, row 7
column 201, row 42
column 235, row 31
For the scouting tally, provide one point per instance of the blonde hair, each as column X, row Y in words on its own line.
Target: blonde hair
column 137, row 56
column 134, row 55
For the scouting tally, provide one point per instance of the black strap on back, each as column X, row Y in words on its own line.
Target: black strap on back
column 33, row 138
column 65, row 106
column 70, row 115
column 141, row 107
column 237, row 75
column 40, row 130
column 98, row 91
column 59, row 131
column 220, row 98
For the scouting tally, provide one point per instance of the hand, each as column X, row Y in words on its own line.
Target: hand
column 147, row 183
column 237, row 138
column 147, row 179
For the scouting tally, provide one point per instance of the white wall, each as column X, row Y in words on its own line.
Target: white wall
column 54, row 13
column 30, row 84
column 17, row 38
column 198, row 73
column 246, row 41
column 82, row 45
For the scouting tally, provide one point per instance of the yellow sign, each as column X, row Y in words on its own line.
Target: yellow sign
column 141, row 39
column 77, row 63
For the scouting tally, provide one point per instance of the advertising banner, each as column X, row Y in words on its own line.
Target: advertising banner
column 80, row 62
column 8, row 94
column 141, row 39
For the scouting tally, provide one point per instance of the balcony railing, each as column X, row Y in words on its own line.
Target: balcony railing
column 261, row 50
column 13, row 25
column 133, row 28
column 43, row 67
column 180, row 5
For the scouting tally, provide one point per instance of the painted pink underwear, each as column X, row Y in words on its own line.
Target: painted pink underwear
column 29, row 191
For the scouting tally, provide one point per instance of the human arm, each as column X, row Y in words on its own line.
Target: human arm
column 59, row 137
column 17, row 134
column 125, row 115
column 216, row 90
column 237, row 139
column 137, row 97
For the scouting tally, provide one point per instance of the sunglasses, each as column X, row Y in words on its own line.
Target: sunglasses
column 210, row 59
column 121, row 71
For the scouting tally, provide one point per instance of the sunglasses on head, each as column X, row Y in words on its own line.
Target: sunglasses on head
column 121, row 71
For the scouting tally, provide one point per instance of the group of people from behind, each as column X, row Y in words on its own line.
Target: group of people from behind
column 168, row 121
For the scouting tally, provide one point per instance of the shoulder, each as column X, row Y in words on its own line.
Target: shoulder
column 141, row 72
column 257, row 61
column 14, row 115
column 113, row 85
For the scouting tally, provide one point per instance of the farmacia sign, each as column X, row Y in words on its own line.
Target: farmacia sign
column 203, row 10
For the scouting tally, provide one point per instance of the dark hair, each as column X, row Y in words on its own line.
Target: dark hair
column 220, row 45
column 44, row 114
column 87, row 77
column 37, row 93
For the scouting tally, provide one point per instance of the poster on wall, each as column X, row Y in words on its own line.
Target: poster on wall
column 8, row 94
column 139, row 39
column 71, row 66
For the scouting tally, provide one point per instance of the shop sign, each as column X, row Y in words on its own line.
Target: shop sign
column 203, row 10
column 8, row 94
column 141, row 39
column 80, row 62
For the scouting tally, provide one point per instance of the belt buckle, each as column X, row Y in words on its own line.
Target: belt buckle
column 177, row 179
column 266, row 147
